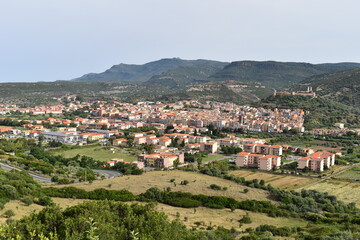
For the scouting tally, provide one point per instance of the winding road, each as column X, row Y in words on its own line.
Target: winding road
column 35, row 177
column 107, row 173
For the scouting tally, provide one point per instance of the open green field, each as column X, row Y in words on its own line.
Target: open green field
column 211, row 157
column 351, row 174
column 344, row 190
column 198, row 184
column 98, row 153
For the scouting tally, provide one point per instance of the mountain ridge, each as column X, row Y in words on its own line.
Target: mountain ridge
column 179, row 73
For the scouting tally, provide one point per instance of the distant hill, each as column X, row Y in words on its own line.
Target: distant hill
column 342, row 86
column 179, row 73
column 186, row 75
column 131, row 73
column 276, row 74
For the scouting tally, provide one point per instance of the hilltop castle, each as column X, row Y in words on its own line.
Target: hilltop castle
column 309, row 93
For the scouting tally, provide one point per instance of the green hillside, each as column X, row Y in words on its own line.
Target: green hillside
column 342, row 86
column 179, row 73
column 221, row 91
column 322, row 112
column 32, row 94
column 132, row 73
column 184, row 76
column 276, row 74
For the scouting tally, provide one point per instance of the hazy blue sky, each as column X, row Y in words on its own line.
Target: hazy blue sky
column 46, row 40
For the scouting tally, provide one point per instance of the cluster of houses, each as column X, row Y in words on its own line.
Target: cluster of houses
column 267, row 157
column 317, row 161
column 261, row 156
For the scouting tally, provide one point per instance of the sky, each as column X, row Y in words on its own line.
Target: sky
column 48, row 40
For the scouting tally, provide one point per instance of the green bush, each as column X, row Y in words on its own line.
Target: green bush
column 27, row 201
column 9, row 213
column 215, row 187
column 183, row 202
column 45, row 201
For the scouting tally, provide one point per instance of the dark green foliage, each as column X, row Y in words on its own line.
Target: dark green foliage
column 185, row 182
column 45, row 201
column 18, row 145
column 127, row 169
column 323, row 112
column 215, row 187
column 15, row 185
column 9, row 213
column 97, row 194
column 245, row 219
column 32, row 164
column 181, row 198
column 230, row 150
column 27, row 201
column 104, row 220
column 283, row 231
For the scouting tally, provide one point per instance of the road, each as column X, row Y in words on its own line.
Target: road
column 108, row 173
column 35, row 177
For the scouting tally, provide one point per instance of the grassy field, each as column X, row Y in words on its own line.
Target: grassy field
column 351, row 174
column 20, row 210
column 211, row 157
column 205, row 217
column 198, row 184
column 98, row 153
column 344, row 190
column 282, row 181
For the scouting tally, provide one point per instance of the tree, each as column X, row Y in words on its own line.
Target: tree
column 41, row 139
column 176, row 163
column 199, row 161
column 149, row 148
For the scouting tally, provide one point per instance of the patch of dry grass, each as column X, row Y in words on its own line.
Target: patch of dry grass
column 198, row 184
column 20, row 210
column 224, row 217
column 276, row 180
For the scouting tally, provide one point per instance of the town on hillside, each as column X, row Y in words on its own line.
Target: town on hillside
column 173, row 131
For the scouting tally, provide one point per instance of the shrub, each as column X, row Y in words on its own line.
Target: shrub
column 183, row 202
column 27, row 201
column 185, row 182
column 9, row 213
column 215, row 187
column 45, row 201
column 245, row 219
column 55, row 179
